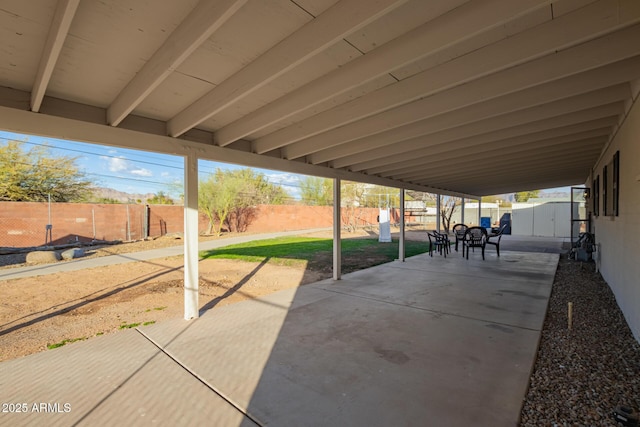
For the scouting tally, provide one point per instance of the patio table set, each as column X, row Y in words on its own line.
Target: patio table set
column 468, row 237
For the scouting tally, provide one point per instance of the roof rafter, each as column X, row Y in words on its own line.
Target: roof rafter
column 65, row 11
column 451, row 152
column 607, row 115
column 576, row 109
column 433, row 36
column 196, row 28
column 580, row 104
column 556, row 35
column 493, row 174
column 344, row 17
column 553, row 85
column 508, row 156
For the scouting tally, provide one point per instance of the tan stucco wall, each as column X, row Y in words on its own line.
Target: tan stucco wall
column 618, row 236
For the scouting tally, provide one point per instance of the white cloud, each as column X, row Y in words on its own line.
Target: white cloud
column 122, row 165
column 283, row 178
column 141, row 172
column 290, row 182
column 116, row 164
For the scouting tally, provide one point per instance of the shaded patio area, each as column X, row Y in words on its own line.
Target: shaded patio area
column 428, row 341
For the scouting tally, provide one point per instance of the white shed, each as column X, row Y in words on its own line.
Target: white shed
column 541, row 218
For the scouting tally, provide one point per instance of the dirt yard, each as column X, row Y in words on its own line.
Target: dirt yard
column 57, row 309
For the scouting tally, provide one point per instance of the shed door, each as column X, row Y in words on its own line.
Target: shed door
column 544, row 220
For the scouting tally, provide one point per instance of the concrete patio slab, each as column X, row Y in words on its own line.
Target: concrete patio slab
column 115, row 380
column 397, row 344
column 429, row 341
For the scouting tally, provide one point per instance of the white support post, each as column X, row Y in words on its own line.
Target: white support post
column 462, row 212
column 191, row 236
column 479, row 212
column 438, row 218
column 401, row 252
column 337, row 247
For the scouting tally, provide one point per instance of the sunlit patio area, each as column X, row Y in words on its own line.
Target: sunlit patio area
column 433, row 340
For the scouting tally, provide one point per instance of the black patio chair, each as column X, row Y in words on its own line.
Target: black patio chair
column 496, row 238
column 458, row 232
column 438, row 242
column 474, row 237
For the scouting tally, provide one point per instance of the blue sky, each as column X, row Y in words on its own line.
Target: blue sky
column 134, row 171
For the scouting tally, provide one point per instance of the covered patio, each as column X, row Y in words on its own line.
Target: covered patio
column 431, row 341
column 458, row 98
column 462, row 98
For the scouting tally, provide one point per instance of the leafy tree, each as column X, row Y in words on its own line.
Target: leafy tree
column 257, row 189
column 228, row 197
column 523, row 196
column 316, row 191
column 160, row 199
column 34, row 175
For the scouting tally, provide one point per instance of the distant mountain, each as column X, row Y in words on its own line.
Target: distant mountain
column 121, row 196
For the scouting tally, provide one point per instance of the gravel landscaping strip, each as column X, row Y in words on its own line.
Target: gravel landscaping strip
column 583, row 374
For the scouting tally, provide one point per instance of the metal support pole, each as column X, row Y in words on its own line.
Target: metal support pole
column 462, row 212
column 401, row 252
column 337, row 247
column 438, row 216
column 479, row 212
column 191, row 236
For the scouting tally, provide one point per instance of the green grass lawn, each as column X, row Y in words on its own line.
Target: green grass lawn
column 316, row 253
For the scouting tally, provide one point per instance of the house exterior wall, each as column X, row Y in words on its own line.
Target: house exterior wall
column 617, row 236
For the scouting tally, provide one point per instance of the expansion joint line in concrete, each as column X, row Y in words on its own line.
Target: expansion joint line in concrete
column 475, row 276
column 444, row 313
column 201, row 380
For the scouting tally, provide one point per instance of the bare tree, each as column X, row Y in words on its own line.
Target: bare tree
column 448, row 206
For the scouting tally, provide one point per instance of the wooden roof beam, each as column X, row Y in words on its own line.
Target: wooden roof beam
column 337, row 22
column 65, row 11
column 195, row 29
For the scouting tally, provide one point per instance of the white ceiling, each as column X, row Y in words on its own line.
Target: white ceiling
column 466, row 97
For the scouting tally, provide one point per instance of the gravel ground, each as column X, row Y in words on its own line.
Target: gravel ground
column 582, row 374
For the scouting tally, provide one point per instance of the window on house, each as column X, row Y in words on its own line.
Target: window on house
column 615, row 196
column 605, row 192
column 611, row 186
column 596, row 196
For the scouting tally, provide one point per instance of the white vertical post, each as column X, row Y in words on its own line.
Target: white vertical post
column 462, row 213
column 337, row 247
column 438, row 219
column 479, row 212
column 401, row 252
column 191, row 236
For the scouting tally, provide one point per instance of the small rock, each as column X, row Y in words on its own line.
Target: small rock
column 42, row 257
column 73, row 253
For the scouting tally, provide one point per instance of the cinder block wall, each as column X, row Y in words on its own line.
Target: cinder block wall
column 23, row 224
